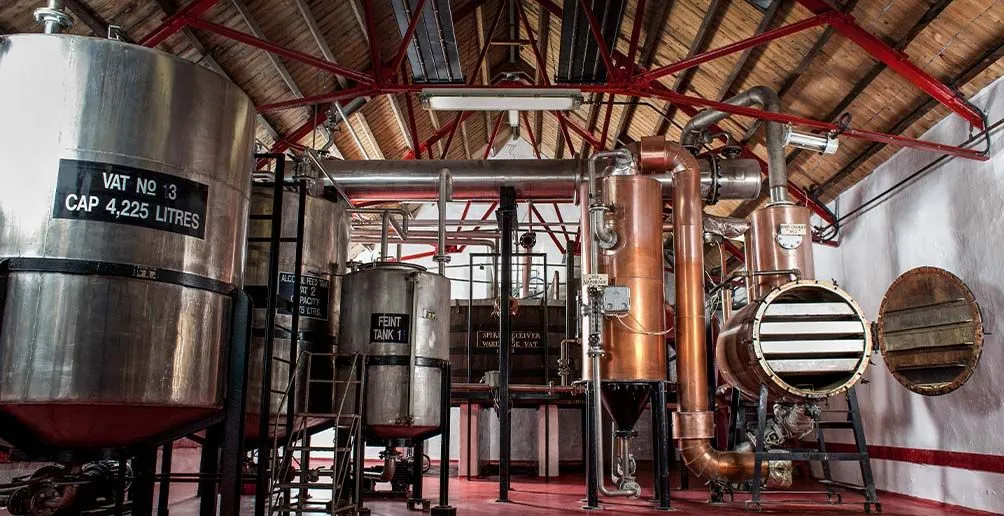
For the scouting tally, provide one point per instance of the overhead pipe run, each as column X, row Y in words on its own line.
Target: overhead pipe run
column 538, row 180
column 777, row 174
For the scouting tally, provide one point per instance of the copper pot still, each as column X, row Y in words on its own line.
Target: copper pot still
column 779, row 245
column 634, row 344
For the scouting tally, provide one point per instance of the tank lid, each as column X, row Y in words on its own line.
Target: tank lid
column 391, row 265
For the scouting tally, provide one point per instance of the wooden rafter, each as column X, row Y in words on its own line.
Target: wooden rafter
column 656, row 21
column 769, row 15
column 698, row 45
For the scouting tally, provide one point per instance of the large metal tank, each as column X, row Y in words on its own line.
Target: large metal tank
column 804, row 340
column 325, row 249
column 779, row 240
column 398, row 315
column 123, row 203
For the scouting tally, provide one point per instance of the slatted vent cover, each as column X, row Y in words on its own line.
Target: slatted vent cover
column 930, row 331
column 812, row 339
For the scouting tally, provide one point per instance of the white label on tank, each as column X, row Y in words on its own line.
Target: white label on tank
column 596, row 280
column 792, row 230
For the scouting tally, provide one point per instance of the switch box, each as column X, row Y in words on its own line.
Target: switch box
column 616, row 300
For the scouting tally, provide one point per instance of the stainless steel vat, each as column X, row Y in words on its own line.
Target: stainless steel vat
column 124, row 185
column 398, row 315
column 325, row 250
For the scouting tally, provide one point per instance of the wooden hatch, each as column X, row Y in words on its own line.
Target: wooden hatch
column 930, row 331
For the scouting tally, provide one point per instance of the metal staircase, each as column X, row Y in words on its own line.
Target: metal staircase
column 295, row 487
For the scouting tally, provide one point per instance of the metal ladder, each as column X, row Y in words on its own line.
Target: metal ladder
column 290, row 460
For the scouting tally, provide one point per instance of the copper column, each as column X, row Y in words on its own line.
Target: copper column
column 693, row 423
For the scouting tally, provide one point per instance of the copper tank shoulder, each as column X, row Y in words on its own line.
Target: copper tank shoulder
column 778, row 240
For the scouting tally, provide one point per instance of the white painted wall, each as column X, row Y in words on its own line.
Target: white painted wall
column 949, row 218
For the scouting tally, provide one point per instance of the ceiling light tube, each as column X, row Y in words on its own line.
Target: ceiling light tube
column 500, row 99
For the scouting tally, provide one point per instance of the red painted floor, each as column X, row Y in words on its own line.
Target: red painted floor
column 561, row 496
column 530, row 496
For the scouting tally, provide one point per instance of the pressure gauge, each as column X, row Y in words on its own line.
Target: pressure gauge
column 790, row 236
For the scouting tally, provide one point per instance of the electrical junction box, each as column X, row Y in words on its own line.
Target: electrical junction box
column 616, row 300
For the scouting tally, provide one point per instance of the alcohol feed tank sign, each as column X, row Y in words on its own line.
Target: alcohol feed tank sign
column 314, row 294
column 89, row 190
column 391, row 328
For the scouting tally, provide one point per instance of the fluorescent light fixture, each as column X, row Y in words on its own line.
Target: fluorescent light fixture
column 501, row 99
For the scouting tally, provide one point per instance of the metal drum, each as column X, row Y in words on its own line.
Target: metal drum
column 124, row 187
column 398, row 315
column 803, row 340
column 325, row 249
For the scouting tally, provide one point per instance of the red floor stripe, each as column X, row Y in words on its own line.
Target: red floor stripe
column 944, row 458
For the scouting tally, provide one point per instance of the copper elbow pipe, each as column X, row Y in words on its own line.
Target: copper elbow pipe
column 693, row 423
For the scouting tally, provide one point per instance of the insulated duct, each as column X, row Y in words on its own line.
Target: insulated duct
column 693, row 423
column 777, row 173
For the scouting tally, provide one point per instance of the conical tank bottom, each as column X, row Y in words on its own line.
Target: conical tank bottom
column 94, row 425
column 625, row 402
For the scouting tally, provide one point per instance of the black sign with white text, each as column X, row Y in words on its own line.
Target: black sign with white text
column 314, row 294
column 392, row 328
column 522, row 341
column 89, row 190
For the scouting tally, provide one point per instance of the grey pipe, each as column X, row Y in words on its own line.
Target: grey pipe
column 777, row 174
column 490, row 244
column 445, row 186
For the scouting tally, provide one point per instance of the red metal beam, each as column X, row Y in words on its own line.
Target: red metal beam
column 601, row 45
column 606, row 122
column 371, row 35
column 561, row 221
column 639, row 13
column 891, row 139
column 584, row 134
column 324, row 98
column 289, row 139
column 897, row 61
column 529, row 132
column 418, row 256
column 438, row 135
column 495, row 133
column 738, row 46
column 176, row 22
column 268, row 46
column 533, row 209
column 734, row 251
column 487, row 43
column 413, row 129
column 408, row 34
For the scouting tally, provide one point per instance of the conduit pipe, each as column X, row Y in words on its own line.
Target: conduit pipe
column 480, row 180
column 693, row 423
column 602, row 236
column 777, row 174
column 432, row 240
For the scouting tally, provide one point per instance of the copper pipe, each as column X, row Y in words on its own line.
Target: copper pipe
column 693, row 423
column 537, row 389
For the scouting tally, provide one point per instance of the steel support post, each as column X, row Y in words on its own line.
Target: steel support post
column 591, row 449
column 144, row 464
column 507, row 227
column 164, row 495
column 443, row 508
column 232, row 453
column 294, row 348
column 210, row 468
column 661, row 438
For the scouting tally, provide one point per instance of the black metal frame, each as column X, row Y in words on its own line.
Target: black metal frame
column 507, row 227
column 853, row 422
column 663, row 446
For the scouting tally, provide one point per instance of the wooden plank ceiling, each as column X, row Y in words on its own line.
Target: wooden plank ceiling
column 820, row 74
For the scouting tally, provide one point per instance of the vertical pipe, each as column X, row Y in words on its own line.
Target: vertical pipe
column 262, row 488
column 418, row 451
column 358, row 441
column 662, row 444
column 141, row 491
column 233, row 421
column 570, row 306
column 591, row 449
column 444, row 196
column 209, row 468
column 470, row 310
column 384, row 236
column 294, row 338
column 507, row 216
column 547, row 328
column 164, row 496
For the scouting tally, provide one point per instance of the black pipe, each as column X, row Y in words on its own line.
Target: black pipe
column 507, row 218
column 418, row 452
column 232, row 452
column 570, row 307
column 590, row 450
column 359, row 442
column 164, row 496
column 444, row 508
column 262, row 488
column 662, row 438
column 294, row 343
column 210, row 466
column 547, row 325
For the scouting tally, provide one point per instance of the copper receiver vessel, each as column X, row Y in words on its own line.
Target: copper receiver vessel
column 635, row 348
column 693, row 423
column 774, row 255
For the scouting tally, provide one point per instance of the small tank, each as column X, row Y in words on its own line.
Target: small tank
column 124, row 188
column 325, row 248
column 398, row 315
column 804, row 340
